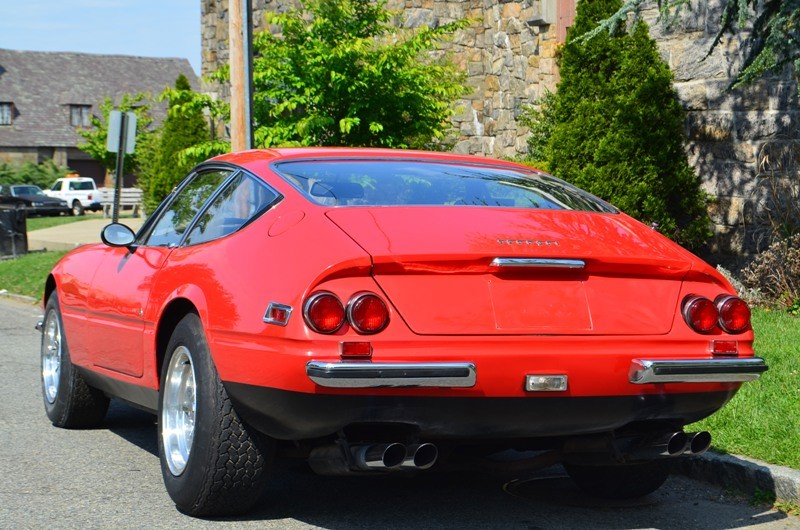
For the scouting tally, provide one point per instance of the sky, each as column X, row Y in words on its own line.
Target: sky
column 148, row 28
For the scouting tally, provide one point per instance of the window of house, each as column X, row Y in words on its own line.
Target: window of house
column 79, row 115
column 6, row 113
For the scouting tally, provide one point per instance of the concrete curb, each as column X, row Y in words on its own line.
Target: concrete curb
column 18, row 297
column 743, row 474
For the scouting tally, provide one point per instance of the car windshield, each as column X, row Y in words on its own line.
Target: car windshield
column 27, row 190
column 414, row 182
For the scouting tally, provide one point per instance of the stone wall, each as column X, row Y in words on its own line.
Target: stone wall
column 34, row 155
column 509, row 55
column 736, row 138
column 19, row 155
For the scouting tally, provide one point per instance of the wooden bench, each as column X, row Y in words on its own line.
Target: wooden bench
column 128, row 198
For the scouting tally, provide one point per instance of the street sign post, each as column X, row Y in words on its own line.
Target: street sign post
column 121, row 140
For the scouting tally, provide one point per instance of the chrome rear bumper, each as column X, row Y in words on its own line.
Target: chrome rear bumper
column 644, row 371
column 374, row 375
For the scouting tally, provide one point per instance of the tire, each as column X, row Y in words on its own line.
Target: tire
column 627, row 481
column 77, row 208
column 212, row 463
column 68, row 401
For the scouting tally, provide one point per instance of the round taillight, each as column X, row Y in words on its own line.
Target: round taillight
column 323, row 312
column 734, row 314
column 367, row 313
column 700, row 313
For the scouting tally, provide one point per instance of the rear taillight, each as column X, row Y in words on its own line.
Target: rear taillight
column 700, row 313
column 734, row 314
column 367, row 313
column 323, row 312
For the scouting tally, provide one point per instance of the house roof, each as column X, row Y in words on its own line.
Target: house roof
column 43, row 85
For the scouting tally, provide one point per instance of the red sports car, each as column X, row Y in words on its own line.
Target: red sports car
column 378, row 311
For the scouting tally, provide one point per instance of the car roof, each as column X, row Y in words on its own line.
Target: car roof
column 256, row 159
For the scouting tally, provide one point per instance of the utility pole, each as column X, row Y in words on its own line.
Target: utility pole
column 240, row 31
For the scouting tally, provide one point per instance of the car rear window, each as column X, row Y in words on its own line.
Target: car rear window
column 412, row 182
column 81, row 185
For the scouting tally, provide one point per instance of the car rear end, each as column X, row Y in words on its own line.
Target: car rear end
column 489, row 304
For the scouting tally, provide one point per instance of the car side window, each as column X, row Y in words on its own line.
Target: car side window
column 169, row 229
column 244, row 198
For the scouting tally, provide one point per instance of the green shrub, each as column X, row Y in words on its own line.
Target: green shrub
column 162, row 161
column 775, row 272
column 42, row 175
column 615, row 128
column 347, row 73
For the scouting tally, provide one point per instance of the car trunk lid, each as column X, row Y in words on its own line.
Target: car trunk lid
column 478, row 271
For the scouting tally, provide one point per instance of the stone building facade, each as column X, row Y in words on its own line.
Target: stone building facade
column 509, row 54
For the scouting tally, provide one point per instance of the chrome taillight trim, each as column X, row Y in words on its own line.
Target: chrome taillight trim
column 375, row 375
column 281, row 307
column 643, row 371
column 686, row 306
column 349, row 312
column 719, row 302
column 310, row 300
column 546, row 263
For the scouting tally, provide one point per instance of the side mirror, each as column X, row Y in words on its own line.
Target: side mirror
column 117, row 235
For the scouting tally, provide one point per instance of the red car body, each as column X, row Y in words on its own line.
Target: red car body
column 535, row 327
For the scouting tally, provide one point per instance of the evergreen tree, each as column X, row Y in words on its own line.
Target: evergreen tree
column 618, row 127
column 179, row 131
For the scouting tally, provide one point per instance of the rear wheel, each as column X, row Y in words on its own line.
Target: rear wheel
column 620, row 481
column 68, row 400
column 77, row 208
column 212, row 463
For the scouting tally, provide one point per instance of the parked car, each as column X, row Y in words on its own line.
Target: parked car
column 380, row 311
column 33, row 199
column 79, row 192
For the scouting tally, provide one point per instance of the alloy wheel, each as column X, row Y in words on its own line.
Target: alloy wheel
column 178, row 410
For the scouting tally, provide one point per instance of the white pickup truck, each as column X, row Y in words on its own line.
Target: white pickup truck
column 80, row 193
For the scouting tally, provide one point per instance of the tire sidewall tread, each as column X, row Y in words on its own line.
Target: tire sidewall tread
column 77, row 405
column 227, row 466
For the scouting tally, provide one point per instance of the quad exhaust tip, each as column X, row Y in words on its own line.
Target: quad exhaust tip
column 332, row 460
column 420, row 456
column 379, row 456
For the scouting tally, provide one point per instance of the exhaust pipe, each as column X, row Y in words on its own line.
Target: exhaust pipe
column 666, row 445
column 378, row 456
column 420, row 456
column 699, row 442
column 331, row 460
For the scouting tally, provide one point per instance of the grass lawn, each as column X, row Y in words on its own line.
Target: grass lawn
column 38, row 223
column 762, row 421
column 25, row 275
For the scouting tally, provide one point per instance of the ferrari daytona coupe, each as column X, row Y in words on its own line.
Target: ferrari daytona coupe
column 378, row 311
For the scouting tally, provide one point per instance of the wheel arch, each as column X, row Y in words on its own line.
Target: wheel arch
column 172, row 314
column 49, row 287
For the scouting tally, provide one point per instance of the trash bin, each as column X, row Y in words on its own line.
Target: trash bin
column 13, row 231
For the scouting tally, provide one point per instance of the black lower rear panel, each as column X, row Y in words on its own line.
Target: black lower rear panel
column 295, row 416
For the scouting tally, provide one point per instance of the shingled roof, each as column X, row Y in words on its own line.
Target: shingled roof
column 43, row 85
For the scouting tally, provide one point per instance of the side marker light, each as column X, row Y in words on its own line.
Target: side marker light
column 277, row 314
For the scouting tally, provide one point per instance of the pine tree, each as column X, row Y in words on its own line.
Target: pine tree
column 179, row 131
column 618, row 127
